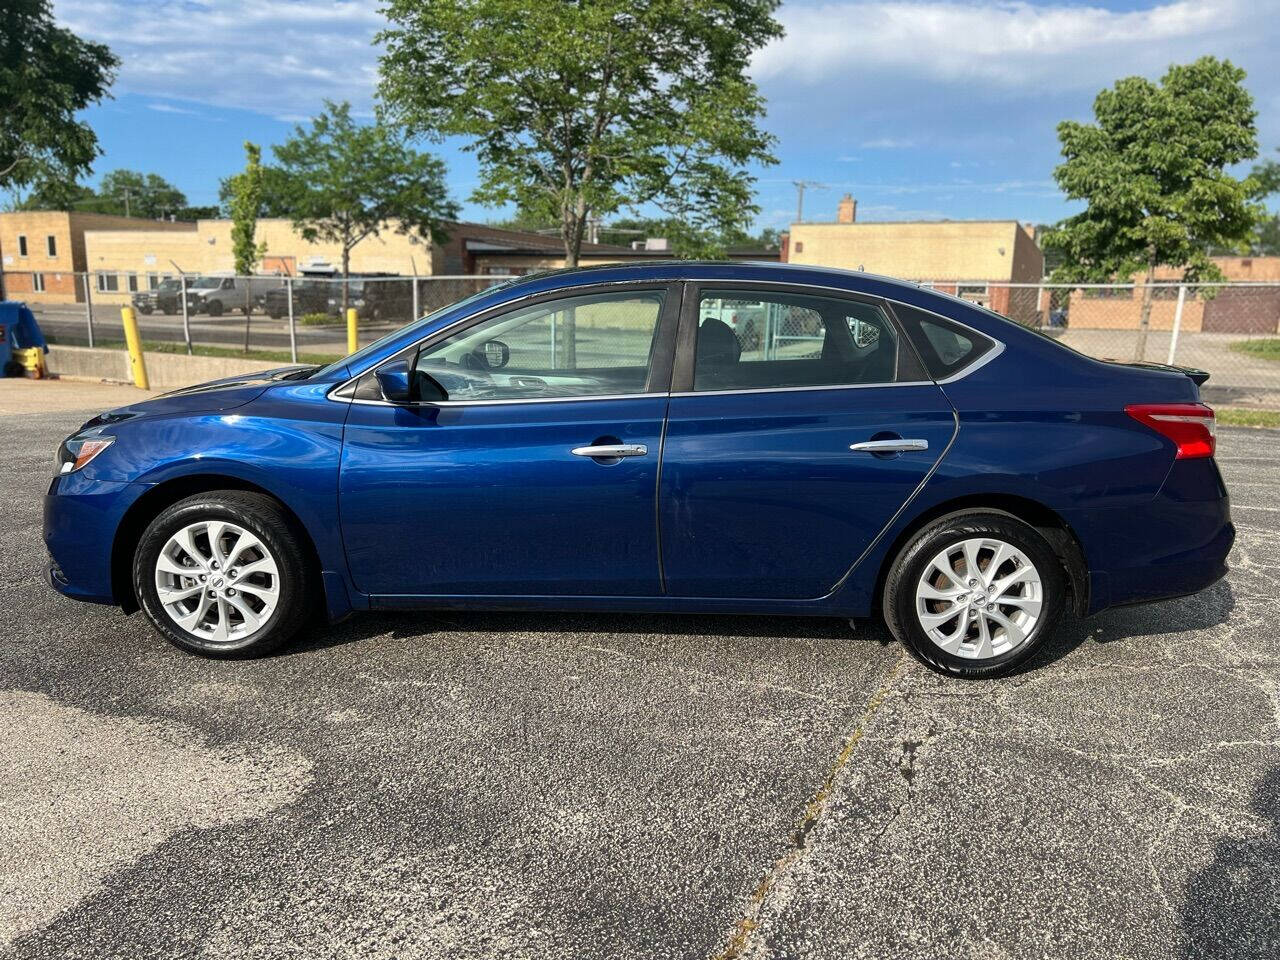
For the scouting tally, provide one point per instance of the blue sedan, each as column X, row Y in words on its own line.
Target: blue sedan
column 686, row 437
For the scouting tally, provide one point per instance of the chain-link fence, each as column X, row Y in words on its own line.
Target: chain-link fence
column 263, row 318
column 1231, row 330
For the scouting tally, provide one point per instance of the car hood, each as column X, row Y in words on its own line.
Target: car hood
column 212, row 397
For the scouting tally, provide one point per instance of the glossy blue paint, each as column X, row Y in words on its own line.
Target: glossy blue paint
column 746, row 501
column 488, row 499
column 762, row 498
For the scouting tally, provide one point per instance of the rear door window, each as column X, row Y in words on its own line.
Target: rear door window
column 776, row 339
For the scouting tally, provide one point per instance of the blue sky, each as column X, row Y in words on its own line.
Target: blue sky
column 922, row 109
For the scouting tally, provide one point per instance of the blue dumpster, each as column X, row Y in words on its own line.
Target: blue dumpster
column 18, row 330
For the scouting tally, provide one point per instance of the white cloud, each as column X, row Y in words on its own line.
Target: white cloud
column 1014, row 45
column 170, row 108
column 276, row 57
column 887, row 143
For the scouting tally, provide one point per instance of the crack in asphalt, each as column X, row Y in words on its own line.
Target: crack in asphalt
column 740, row 937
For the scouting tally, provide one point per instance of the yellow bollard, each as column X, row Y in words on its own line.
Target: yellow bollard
column 133, row 339
column 353, row 342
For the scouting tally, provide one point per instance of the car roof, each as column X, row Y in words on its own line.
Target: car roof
column 710, row 270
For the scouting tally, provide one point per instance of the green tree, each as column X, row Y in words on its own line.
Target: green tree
column 47, row 75
column 133, row 194
column 275, row 201
column 246, row 198
column 57, row 194
column 1266, row 180
column 576, row 110
column 1152, row 169
column 348, row 182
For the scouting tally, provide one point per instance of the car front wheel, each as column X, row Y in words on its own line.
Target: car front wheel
column 224, row 574
column 975, row 594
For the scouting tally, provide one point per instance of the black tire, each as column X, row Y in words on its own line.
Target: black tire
column 168, row 311
column 267, row 520
column 910, row 565
column 146, row 311
column 214, row 308
column 274, row 315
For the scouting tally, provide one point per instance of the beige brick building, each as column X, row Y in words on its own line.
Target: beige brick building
column 963, row 257
column 123, row 256
column 1236, row 310
column 41, row 251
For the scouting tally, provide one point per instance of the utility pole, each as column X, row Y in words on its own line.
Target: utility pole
column 800, row 186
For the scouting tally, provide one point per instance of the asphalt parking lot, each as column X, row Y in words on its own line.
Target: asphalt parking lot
column 517, row 785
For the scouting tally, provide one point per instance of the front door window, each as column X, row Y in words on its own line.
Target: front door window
column 588, row 346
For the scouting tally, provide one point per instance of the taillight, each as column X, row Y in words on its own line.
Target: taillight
column 1191, row 426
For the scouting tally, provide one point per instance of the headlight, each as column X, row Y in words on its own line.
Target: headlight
column 75, row 452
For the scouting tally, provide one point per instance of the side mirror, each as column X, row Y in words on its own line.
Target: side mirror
column 401, row 384
column 394, row 380
column 496, row 354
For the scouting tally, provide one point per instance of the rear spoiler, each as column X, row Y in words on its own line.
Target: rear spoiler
column 1196, row 375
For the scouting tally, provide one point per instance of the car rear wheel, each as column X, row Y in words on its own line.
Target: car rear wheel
column 214, row 308
column 224, row 574
column 975, row 594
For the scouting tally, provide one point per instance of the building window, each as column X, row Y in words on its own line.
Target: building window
column 51, row 244
column 37, row 282
column 133, row 282
column 799, row 246
column 153, row 281
column 1108, row 293
column 972, row 291
column 22, row 245
column 108, row 282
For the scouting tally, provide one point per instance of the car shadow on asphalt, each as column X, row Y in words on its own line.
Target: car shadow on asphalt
column 1231, row 906
column 1200, row 611
column 409, row 625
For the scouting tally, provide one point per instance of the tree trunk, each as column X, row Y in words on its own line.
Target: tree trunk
column 248, row 309
column 346, row 281
column 564, row 323
column 1144, row 321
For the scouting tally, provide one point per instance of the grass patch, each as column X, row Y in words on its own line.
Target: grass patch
column 1243, row 417
column 234, row 353
column 1266, row 349
column 319, row 320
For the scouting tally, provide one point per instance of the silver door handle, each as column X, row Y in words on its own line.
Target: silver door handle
column 611, row 450
column 889, row 446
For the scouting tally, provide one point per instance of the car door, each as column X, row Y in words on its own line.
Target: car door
column 537, row 475
column 787, row 454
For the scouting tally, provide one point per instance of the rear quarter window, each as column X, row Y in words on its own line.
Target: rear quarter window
column 945, row 347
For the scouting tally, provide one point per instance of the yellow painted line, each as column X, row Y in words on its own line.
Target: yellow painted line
column 813, row 810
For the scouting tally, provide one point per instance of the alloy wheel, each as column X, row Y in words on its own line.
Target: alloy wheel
column 979, row 598
column 217, row 581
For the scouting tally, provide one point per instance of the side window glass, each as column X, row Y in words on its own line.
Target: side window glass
column 945, row 347
column 791, row 340
column 594, row 345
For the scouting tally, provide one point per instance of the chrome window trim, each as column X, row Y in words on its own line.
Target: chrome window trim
column 825, row 386
column 997, row 349
column 496, row 403
column 982, row 361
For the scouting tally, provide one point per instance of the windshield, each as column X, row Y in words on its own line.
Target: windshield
column 355, row 358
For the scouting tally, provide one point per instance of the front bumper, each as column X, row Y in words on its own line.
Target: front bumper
column 81, row 517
